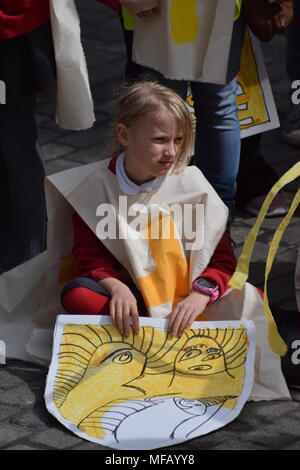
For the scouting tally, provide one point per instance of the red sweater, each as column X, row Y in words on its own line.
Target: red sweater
column 22, row 16
column 95, row 261
column 19, row 17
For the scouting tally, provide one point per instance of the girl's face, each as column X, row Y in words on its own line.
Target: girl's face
column 152, row 146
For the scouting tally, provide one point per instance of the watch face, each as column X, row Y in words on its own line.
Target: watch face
column 205, row 283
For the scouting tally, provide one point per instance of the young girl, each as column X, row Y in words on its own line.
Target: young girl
column 149, row 235
column 153, row 138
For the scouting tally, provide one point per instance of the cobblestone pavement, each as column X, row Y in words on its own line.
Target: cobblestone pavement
column 25, row 422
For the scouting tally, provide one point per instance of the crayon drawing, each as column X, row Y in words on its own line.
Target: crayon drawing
column 112, row 390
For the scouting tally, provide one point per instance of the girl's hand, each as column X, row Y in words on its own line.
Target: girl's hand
column 147, row 13
column 122, row 306
column 140, row 7
column 186, row 311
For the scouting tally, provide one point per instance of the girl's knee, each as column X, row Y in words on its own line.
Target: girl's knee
column 83, row 301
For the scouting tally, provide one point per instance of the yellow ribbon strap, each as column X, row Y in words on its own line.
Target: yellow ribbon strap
column 184, row 21
column 128, row 20
column 241, row 274
column 275, row 340
column 238, row 9
column 242, row 271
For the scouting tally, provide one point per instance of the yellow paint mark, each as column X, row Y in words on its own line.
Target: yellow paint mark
column 170, row 281
column 184, row 21
column 252, row 97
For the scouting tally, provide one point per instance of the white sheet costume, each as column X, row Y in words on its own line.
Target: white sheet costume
column 91, row 190
column 187, row 40
column 75, row 108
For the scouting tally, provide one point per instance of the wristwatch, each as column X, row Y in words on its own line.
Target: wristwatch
column 207, row 287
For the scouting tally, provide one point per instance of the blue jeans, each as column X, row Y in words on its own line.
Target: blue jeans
column 217, row 146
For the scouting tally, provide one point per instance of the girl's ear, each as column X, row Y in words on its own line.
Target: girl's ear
column 122, row 134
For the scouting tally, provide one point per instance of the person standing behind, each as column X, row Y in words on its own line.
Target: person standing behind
column 27, row 66
column 32, row 53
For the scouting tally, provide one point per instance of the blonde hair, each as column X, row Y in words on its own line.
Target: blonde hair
column 144, row 98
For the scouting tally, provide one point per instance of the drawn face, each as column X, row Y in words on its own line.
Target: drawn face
column 116, row 363
column 200, row 356
column 192, row 407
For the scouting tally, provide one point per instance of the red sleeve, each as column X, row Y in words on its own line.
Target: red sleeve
column 114, row 4
column 222, row 265
column 93, row 259
column 18, row 17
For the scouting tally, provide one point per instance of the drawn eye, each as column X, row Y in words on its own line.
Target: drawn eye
column 122, row 358
column 190, row 355
column 185, row 403
column 211, row 357
column 213, row 350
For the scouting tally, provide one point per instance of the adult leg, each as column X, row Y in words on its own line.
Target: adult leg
column 24, row 229
column 217, row 146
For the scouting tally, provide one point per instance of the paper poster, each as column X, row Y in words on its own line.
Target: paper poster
column 257, row 109
column 114, row 391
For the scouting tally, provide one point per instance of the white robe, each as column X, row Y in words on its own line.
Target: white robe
column 83, row 189
column 75, row 108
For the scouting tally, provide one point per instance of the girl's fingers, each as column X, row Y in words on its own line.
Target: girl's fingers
column 126, row 320
column 179, row 315
column 119, row 316
column 112, row 312
column 135, row 320
column 186, row 321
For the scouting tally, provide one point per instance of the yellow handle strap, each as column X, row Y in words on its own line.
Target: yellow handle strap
column 238, row 9
column 242, row 271
column 276, row 342
column 128, row 20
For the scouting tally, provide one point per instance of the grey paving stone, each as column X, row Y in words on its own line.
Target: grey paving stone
column 7, row 411
column 37, row 418
column 7, row 380
column 292, row 445
column 53, row 150
column 10, row 433
column 89, row 446
column 46, row 136
column 60, row 164
column 25, row 394
column 58, row 439
column 88, row 155
column 20, row 447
